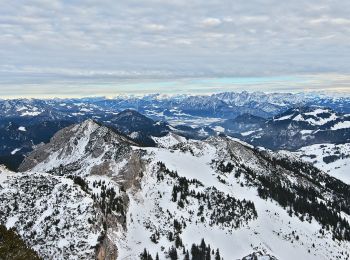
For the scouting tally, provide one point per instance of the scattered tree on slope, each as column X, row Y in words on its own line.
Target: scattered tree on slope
column 12, row 247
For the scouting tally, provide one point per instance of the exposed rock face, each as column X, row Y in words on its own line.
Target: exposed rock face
column 131, row 174
column 107, row 250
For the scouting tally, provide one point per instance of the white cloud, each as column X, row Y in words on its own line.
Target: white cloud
column 154, row 27
column 210, row 22
column 214, row 37
column 330, row 20
column 255, row 19
column 183, row 41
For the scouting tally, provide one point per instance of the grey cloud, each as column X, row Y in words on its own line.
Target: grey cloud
column 212, row 38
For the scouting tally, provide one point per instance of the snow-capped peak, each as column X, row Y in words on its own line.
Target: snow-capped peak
column 87, row 142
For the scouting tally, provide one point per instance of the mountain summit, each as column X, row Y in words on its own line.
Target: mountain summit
column 139, row 127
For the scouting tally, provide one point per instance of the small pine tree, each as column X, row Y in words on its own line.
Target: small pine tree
column 170, row 236
column 187, row 256
column 173, row 253
column 178, row 241
column 217, row 255
column 203, row 246
column 208, row 256
column 144, row 255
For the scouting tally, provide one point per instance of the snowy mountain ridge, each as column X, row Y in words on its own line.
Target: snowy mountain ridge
column 195, row 117
column 331, row 158
column 300, row 126
column 238, row 199
column 162, row 107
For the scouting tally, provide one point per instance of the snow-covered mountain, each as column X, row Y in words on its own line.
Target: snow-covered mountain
column 331, row 158
column 192, row 110
column 195, row 117
column 139, row 127
column 124, row 200
column 18, row 137
column 299, row 127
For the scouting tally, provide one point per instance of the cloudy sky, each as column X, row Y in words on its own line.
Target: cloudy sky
column 97, row 47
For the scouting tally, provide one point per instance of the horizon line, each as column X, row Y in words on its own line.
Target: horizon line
column 329, row 94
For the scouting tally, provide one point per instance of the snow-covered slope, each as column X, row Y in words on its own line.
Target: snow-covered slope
column 169, row 140
column 271, row 230
column 299, row 127
column 52, row 214
column 331, row 158
column 311, row 116
column 238, row 199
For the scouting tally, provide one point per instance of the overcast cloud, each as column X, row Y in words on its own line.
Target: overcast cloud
column 43, row 41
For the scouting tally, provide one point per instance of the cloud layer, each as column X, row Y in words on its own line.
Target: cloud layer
column 43, row 40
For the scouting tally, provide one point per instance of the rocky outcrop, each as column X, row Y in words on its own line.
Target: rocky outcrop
column 107, row 250
column 259, row 256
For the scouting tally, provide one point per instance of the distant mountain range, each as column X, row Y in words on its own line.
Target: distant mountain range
column 274, row 121
column 298, row 127
column 233, row 175
column 92, row 192
column 171, row 108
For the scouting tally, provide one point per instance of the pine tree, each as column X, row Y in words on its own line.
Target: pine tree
column 144, row 255
column 170, row 236
column 217, row 255
column 194, row 251
column 187, row 256
column 173, row 253
column 208, row 256
column 178, row 241
column 203, row 246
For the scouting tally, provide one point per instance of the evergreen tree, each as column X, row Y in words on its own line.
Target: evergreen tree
column 203, row 246
column 178, row 241
column 217, row 255
column 208, row 256
column 173, row 253
column 187, row 256
column 144, row 255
